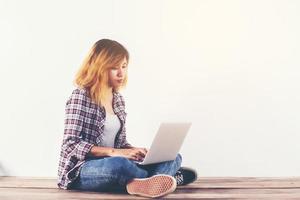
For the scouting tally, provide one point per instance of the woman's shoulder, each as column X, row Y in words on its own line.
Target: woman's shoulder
column 79, row 95
column 79, row 91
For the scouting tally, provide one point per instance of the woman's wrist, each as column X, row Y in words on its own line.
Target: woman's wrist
column 97, row 151
column 110, row 152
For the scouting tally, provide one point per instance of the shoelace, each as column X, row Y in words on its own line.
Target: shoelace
column 179, row 178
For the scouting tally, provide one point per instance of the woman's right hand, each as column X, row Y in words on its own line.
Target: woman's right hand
column 134, row 153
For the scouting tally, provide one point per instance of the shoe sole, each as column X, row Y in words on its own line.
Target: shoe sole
column 155, row 186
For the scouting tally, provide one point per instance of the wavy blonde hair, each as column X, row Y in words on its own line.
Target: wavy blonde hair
column 93, row 73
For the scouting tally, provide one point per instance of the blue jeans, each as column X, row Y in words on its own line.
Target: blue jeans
column 113, row 173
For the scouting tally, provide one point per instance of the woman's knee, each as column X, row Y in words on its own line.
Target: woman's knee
column 119, row 164
column 126, row 170
column 108, row 166
column 179, row 158
column 118, row 160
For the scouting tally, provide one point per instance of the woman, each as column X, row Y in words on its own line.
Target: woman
column 95, row 155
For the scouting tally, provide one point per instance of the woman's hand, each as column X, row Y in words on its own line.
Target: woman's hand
column 134, row 153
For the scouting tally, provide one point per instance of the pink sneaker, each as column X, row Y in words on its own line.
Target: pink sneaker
column 154, row 186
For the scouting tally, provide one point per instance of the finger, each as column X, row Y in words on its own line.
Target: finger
column 142, row 153
column 138, row 155
column 145, row 150
column 133, row 157
column 139, row 158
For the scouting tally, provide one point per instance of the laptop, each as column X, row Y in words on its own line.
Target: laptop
column 167, row 143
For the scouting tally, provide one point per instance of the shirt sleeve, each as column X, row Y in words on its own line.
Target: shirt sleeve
column 76, row 111
column 125, row 143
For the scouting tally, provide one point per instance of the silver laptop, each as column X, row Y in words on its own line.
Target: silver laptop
column 167, row 143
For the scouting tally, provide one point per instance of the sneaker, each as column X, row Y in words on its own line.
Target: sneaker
column 154, row 186
column 185, row 175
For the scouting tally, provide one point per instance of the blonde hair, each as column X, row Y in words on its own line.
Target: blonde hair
column 93, row 73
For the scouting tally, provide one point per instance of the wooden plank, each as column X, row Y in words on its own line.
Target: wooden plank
column 27, row 182
column 45, row 194
column 246, row 182
column 204, row 182
column 236, row 194
column 28, row 188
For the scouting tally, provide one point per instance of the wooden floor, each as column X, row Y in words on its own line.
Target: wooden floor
column 16, row 188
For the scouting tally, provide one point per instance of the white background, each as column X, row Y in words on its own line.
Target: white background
column 230, row 67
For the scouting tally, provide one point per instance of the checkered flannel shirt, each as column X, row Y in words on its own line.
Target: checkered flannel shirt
column 84, row 127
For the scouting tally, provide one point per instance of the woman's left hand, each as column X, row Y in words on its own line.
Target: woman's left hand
column 142, row 150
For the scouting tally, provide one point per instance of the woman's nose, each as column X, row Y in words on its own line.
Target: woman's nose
column 120, row 72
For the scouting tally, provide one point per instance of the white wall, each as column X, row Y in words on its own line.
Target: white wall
column 230, row 67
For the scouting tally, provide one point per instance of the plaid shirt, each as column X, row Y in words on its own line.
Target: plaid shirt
column 84, row 127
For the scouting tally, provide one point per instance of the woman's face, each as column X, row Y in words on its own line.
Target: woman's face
column 117, row 74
